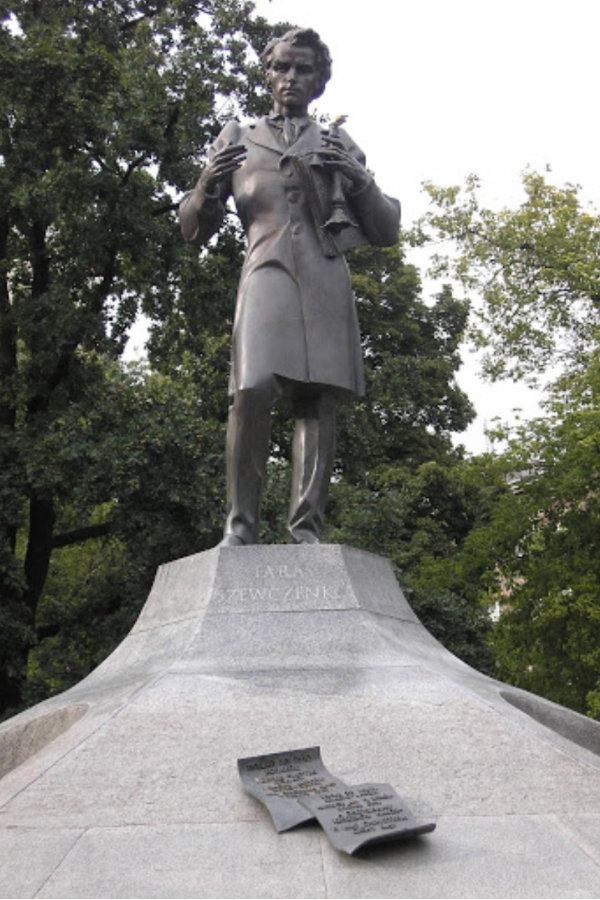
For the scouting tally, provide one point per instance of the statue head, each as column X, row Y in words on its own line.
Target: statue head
column 303, row 37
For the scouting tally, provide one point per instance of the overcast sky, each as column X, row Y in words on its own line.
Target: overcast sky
column 436, row 89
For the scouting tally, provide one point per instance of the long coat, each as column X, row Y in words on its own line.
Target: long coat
column 295, row 315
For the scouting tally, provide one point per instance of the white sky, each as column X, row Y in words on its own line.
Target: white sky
column 436, row 89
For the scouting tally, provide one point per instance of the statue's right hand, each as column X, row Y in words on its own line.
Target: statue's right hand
column 221, row 166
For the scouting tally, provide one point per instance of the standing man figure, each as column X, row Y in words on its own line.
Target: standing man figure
column 304, row 196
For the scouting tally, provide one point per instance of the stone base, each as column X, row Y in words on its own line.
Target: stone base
column 127, row 785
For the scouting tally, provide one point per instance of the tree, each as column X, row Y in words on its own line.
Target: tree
column 107, row 471
column 548, row 639
column 411, row 350
column 535, row 270
column 161, row 464
column 534, row 554
column 104, row 107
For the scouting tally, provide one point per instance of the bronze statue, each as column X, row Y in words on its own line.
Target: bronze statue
column 304, row 197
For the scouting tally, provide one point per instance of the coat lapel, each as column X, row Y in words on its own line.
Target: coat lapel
column 262, row 134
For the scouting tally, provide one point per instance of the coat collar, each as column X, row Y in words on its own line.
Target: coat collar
column 265, row 135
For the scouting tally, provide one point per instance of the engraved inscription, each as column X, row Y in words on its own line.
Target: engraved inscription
column 273, row 585
column 279, row 779
column 278, row 572
column 290, row 774
column 363, row 814
column 289, row 781
column 280, row 593
column 364, row 810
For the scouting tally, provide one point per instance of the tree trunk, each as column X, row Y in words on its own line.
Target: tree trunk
column 41, row 505
column 8, row 365
column 39, row 549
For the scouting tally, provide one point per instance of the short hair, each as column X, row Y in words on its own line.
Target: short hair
column 303, row 37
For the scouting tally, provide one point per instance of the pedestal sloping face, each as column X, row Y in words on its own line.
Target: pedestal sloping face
column 243, row 652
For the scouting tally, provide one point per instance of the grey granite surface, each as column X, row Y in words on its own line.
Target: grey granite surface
column 246, row 651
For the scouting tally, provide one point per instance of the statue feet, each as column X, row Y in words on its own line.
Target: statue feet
column 232, row 540
column 302, row 536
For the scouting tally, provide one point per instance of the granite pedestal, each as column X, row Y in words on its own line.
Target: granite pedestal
column 127, row 785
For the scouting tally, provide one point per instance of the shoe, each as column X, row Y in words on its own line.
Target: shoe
column 232, row 540
column 302, row 536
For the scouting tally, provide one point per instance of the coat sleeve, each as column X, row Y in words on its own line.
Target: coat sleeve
column 201, row 213
column 378, row 215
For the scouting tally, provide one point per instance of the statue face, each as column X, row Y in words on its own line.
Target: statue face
column 293, row 78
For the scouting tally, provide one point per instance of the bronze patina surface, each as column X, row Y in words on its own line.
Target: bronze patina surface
column 304, row 197
column 281, row 780
column 359, row 815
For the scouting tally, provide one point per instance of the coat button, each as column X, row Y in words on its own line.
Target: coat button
column 296, row 229
column 293, row 196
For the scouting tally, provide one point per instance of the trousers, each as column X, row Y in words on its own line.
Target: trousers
column 247, row 450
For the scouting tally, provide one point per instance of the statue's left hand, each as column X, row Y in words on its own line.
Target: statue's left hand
column 333, row 154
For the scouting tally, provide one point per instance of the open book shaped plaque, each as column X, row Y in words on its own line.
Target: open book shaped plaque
column 296, row 788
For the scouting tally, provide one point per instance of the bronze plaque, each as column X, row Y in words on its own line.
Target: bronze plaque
column 356, row 816
column 280, row 780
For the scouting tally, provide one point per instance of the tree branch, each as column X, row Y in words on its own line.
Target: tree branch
column 39, row 549
column 165, row 208
column 77, row 535
column 8, row 336
column 133, row 165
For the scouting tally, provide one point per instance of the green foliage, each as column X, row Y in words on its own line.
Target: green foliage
column 106, row 470
column 411, row 351
column 104, row 108
column 197, row 324
column 534, row 554
column 536, row 272
column 549, row 638
column 535, row 269
column 78, row 618
column 162, row 465
column 421, row 519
